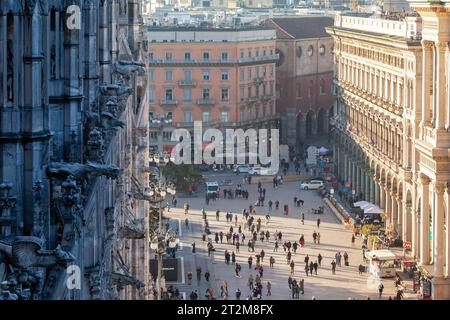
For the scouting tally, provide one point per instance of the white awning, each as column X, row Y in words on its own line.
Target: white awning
column 360, row 203
column 373, row 209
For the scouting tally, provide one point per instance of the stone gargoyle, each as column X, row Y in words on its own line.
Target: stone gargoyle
column 109, row 121
column 106, row 120
column 126, row 68
column 115, row 89
column 26, row 252
column 62, row 170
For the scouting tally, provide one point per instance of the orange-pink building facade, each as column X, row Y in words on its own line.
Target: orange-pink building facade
column 222, row 77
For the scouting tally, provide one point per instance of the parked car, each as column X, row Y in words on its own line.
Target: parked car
column 242, row 169
column 311, row 185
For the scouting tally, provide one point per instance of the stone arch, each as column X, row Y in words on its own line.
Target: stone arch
column 322, row 122
column 310, row 124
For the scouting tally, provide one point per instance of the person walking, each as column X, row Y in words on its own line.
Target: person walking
column 353, row 239
column 380, row 290
column 290, row 282
column 193, row 247
column 318, row 237
column 333, row 267
column 272, row 261
column 315, row 266
column 314, row 235
column 250, row 282
column 292, row 265
column 318, row 222
column 269, row 288
column 217, row 215
column 207, row 275
column 303, row 218
column 189, row 276
column 262, row 254
column 307, row 269
column 186, row 223
column 306, row 259
column 277, row 205
column 302, row 286
column 319, row 259
column 250, row 262
column 275, row 248
column 288, row 257
column 238, row 294
column 311, row 267
column 295, row 246
column 270, row 205
column 199, row 274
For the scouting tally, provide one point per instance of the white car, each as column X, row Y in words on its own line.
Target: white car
column 257, row 170
column 242, row 169
column 311, row 185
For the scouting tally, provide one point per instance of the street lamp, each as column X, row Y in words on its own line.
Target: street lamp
column 162, row 239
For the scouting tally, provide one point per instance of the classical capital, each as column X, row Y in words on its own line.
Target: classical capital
column 441, row 46
column 423, row 179
column 427, row 44
column 439, row 187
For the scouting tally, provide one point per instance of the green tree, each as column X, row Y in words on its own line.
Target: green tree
column 183, row 176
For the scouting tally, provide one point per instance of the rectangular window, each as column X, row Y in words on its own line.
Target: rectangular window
column 169, row 116
column 153, row 135
column 224, row 75
column 257, row 53
column 206, row 56
column 150, row 56
column 242, row 54
column 205, row 74
column 249, row 54
column 242, row 74
column 249, row 91
column 187, row 94
column 257, row 71
column 224, row 56
column 187, row 75
column 151, row 115
column 249, row 74
column 169, row 75
column 187, row 116
column 224, row 116
column 169, row 56
column 257, row 91
column 224, row 95
column 264, row 71
column 271, row 89
column 264, row 89
column 242, row 93
column 187, row 56
column 151, row 75
column 205, row 94
column 167, row 135
column 271, row 70
column 299, row 91
column 169, row 94
column 151, row 94
column 206, row 116
column 322, row 89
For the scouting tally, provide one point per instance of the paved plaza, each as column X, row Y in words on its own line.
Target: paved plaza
column 334, row 237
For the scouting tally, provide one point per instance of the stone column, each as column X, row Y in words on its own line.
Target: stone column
column 438, row 229
column 424, row 221
column 388, row 209
column 400, row 217
column 358, row 180
column 382, row 199
column 394, row 214
column 372, row 196
column 447, row 233
column 367, row 187
column 440, row 92
column 376, row 193
column 427, row 67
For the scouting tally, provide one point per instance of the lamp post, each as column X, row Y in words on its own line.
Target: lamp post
column 163, row 238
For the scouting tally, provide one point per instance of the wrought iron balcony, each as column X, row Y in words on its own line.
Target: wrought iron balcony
column 187, row 83
column 206, row 102
column 168, row 102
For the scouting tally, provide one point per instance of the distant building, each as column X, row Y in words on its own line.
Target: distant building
column 224, row 77
column 304, row 76
column 257, row 3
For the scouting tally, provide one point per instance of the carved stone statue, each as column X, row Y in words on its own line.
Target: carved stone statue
column 26, row 252
column 95, row 145
column 126, row 68
column 115, row 90
column 61, row 170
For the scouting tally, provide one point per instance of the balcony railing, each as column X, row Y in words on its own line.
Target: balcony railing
column 267, row 58
column 260, row 58
column 187, row 83
column 206, row 101
column 168, row 102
